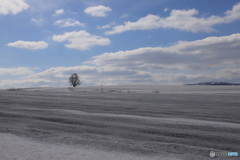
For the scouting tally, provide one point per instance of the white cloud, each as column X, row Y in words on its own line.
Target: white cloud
column 12, row 6
column 37, row 21
column 69, row 23
column 229, row 74
column 81, row 40
column 59, row 12
column 98, row 11
column 16, row 71
column 29, row 45
column 124, row 16
column 106, row 26
column 211, row 52
column 145, row 23
column 185, row 20
column 166, row 9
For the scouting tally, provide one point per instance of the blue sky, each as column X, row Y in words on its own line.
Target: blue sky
column 110, row 42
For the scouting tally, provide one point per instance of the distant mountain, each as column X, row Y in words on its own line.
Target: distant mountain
column 214, row 83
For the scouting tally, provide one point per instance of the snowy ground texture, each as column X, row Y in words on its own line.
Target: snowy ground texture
column 120, row 123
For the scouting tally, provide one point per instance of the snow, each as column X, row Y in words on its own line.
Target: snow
column 90, row 123
column 17, row 148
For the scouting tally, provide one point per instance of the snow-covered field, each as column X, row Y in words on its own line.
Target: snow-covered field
column 119, row 123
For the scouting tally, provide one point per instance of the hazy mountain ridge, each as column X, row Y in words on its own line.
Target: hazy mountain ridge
column 214, row 83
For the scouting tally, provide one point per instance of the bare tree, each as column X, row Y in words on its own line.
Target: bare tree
column 74, row 80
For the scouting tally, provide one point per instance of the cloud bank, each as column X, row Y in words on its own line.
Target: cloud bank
column 184, row 20
column 202, row 54
column 209, row 59
column 16, row 71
